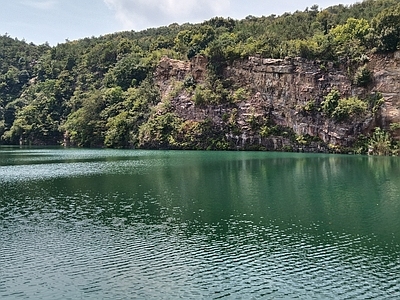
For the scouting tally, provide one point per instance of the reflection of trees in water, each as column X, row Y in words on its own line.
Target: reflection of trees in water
column 386, row 171
column 384, row 167
column 352, row 194
column 342, row 192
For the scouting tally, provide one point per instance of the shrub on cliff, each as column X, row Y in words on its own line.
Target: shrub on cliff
column 330, row 102
column 210, row 93
column 341, row 109
column 203, row 95
column 348, row 108
column 363, row 76
column 379, row 143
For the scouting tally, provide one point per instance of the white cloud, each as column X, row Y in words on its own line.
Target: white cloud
column 40, row 4
column 140, row 14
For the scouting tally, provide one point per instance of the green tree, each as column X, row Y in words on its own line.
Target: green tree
column 38, row 121
column 160, row 131
column 122, row 128
column 118, row 133
column 351, row 38
column 323, row 18
column 387, row 29
column 130, row 71
column 84, row 127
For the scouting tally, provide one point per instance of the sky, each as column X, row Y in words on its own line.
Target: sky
column 55, row 21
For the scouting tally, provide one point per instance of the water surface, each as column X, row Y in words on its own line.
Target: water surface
column 118, row 224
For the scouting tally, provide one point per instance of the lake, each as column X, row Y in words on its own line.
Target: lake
column 132, row 224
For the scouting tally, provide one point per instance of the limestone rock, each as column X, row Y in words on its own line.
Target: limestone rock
column 280, row 88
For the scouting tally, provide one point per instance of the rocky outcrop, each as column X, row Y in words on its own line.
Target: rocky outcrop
column 286, row 86
column 279, row 90
column 170, row 71
column 386, row 70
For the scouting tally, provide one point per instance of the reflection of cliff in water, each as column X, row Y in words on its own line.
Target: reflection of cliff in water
column 323, row 193
column 339, row 193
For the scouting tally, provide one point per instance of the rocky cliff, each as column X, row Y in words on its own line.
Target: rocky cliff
column 285, row 94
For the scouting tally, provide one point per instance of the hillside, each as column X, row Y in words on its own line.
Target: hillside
column 314, row 80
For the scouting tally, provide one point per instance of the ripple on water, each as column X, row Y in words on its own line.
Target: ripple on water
column 161, row 261
column 45, row 171
column 56, row 244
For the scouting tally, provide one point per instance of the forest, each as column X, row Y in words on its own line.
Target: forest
column 100, row 91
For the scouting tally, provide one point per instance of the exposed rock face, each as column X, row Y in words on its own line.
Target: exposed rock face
column 169, row 70
column 284, row 86
column 387, row 81
column 279, row 89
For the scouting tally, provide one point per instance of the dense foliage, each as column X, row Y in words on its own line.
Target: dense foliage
column 100, row 91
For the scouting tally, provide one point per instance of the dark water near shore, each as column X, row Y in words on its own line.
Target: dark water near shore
column 115, row 224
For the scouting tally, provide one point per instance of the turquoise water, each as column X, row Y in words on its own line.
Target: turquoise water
column 130, row 224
